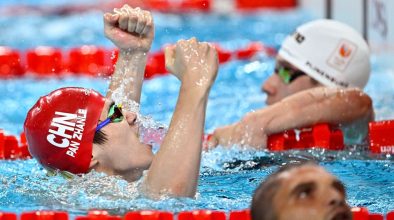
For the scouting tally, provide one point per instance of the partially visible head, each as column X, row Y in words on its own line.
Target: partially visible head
column 278, row 86
column 328, row 52
column 61, row 134
column 300, row 191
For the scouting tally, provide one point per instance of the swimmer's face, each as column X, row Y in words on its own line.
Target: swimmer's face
column 310, row 192
column 122, row 153
column 277, row 89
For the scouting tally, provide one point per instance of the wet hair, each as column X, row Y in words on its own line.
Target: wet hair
column 100, row 138
column 262, row 207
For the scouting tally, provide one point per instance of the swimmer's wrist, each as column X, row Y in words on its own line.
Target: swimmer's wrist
column 192, row 80
column 133, row 60
column 129, row 53
column 130, row 65
column 194, row 90
column 255, row 121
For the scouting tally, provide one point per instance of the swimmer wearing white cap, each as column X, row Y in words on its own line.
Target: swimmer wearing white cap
column 320, row 72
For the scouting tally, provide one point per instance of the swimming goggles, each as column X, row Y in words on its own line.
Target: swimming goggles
column 114, row 115
column 287, row 73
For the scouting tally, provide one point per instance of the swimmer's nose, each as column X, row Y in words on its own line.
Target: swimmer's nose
column 335, row 198
column 131, row 118
column 270, row 85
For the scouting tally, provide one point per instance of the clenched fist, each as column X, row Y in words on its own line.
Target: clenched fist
column 194, row 63
column 130, row 29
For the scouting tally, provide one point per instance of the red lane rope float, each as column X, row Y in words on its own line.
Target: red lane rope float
column 320, row 136
column 223, row 54
column 44, row 215
column 178, row 5
column 149, row 215
column 92, row 60
column 363, row 214
column 155, row 65
column 260, row 4
column 11, row 148
column 207, row 5
column 381, row 136
column 7, row 216
column 202, row 215
column 375, row 216
column 10, row 63
column 252, row 49
column 87, row 59
column 390, row 215
column 240, row 215
column 45, row 60
column 98, row 215
column 357, row 214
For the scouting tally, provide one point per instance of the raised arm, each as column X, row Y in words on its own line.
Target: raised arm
column 318, row 105
column 175, row 169
column 132, row 31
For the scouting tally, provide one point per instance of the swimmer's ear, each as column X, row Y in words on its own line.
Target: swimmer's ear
column 93, row 163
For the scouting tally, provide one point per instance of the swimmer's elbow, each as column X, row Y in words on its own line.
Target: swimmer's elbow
column 178, row 189
column 361, row 102
column 367, row 108
column 182, row 190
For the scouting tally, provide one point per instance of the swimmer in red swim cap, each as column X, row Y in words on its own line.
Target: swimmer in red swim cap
column 78, row 130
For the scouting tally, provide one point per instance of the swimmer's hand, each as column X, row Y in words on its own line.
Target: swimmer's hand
column 223, row 136
column 130, row 29
column 194, row 63
column 243, row 133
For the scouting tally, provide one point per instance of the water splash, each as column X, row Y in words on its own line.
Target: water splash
column 119, row 97
column 151, row 131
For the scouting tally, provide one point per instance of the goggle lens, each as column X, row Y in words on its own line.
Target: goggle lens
column 284, row 74
column 114, row 115
column 287, row 74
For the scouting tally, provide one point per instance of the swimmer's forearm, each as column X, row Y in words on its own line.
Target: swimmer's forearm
column 319, row 105
column 175, row 169
column 128, row 76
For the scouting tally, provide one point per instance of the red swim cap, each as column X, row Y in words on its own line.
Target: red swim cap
column 60, row 128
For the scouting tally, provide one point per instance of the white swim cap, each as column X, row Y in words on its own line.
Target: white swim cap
column 330, row 52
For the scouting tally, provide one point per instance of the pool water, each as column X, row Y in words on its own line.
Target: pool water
column 228, row 176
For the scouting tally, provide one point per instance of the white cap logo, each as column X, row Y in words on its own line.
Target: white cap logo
column 342, row 55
